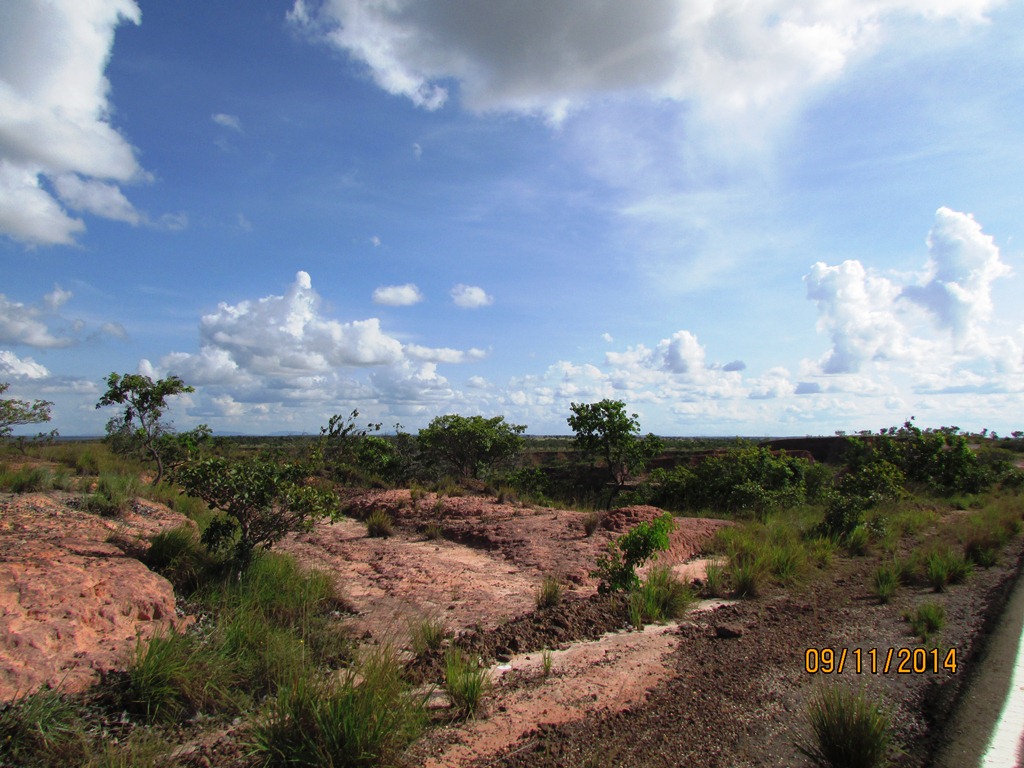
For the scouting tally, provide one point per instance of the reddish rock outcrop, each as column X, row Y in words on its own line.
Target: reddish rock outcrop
column 73, row 604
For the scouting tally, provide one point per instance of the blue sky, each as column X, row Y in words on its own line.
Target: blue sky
column 781, row 217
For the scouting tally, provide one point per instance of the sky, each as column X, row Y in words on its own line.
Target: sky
column 740, row 217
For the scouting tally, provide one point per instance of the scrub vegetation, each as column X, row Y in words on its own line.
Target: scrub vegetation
column 270, row 645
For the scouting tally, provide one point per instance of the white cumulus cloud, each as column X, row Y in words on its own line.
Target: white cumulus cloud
column 11, row 366
column 54, row 117
column 470, row 296
column 963, row 262
column 558, row 56
column 258, row 357
column 397, row 295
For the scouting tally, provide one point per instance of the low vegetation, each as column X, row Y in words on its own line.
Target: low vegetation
column 848, row 730
column 913, row 507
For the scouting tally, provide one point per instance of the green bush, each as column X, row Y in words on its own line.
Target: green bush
column 261, row 501
column 617, row 568
column 848, row 730
column 748, row 480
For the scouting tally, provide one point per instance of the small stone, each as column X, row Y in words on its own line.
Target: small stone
column 727, row 631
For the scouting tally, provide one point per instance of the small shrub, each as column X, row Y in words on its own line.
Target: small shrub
column 928, row 618
column 886, row 581
column 549, row 593
column 617, row 568
column 433, row 532
column 466, row 681
column 849, row 730
column 379, row 525
column 427, row 635
column 591, row 522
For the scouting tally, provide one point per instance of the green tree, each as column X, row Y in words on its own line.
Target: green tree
column 138, row 427
column 338, row 448
column 16, row 412
column 604, row 430
column 261, row 502
column 466, row 444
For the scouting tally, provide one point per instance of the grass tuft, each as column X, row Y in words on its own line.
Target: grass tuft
column 886, row 582
column 848, row 730
column 379, row 525
column 927, row 619
column 363, row 720
column 466, row 681
column 549, row 593
column 427, row 635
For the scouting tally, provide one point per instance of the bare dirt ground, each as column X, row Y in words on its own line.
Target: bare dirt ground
column 485, row 569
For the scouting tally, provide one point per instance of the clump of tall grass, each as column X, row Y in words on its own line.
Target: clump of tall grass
column 714, row 579
column 848, row 730
column 268, row 624
column 943, row 567
column 364, row 719
column 591, row 521
column 663, row 595
column 885, row 582
column 114, row 495
column 178, row 556
column 379, row 524
column 927, row 619
column 857, row 541
column 466, row 681
column 26, row 480
column 427, row 635
column 41, row 728
column 549, row 593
